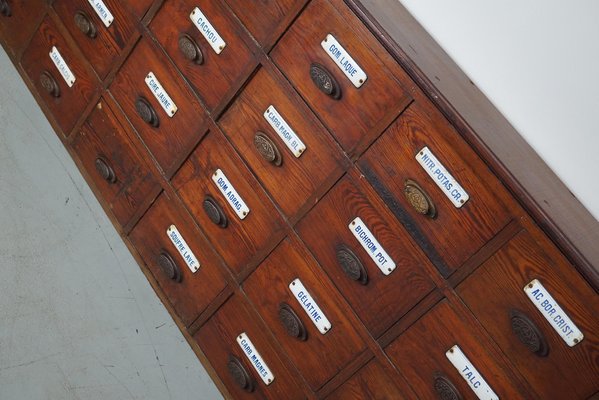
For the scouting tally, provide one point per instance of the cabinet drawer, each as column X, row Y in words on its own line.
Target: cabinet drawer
column 420, row 354
column 228, row 203
column 67, row 91
column 370, row 382
column 100, row 44
column 297, row 287
column 356, row 116
column 18, row 20
column 169, row 137
column 179, row 257
column 215, row 58
column 266, row 19
column 271, row 126
column 553, row 368
column 113, row 163
column 449, row 233
column 372, row 292
column 221, row 339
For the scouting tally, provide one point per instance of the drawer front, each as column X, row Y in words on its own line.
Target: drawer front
column 356, row 116
column 271, row 126
column 195, row 47
column 100, row 44
column 65, row 102
column 218, row 339
column 179, row 257
column 552, row 367
column 449, row 233
column 169, row 137
column 105, row 149
column 266, row 19
column 242, row 240
column 139, row 7
column 18, row 21
column 420, row 355
column 319, row 353
column 370, row 382
column 379, row 298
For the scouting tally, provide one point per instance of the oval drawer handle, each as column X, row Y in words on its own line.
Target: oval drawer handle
column 325, row 81
column 49, row 84
column 190, row 49
column 419, row 199
column 240, row 374
column 146, row 112
column 105, row 170
column 291, row 322
column 85, row 24
column 215, row 212
column 528, row 333
column 169, row 266
column 351, row 265
column 267, row 149
column 5, row 8
column 446, row 389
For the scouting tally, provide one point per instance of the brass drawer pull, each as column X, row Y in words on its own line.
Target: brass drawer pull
column 325, row 81
column 5, row 8
column 528, row 333
column 267, row 149
column 419, row 199
column 215, row 212
column 190, row 49
column 240, row 374
column 146, row 112
column 291, row 322
column 85, row 24
column 169, row 266
column 105, row 170
column 49, row 84
column 446, row 389
column 351, row 265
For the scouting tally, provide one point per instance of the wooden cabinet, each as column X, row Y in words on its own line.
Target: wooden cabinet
column 319, row 220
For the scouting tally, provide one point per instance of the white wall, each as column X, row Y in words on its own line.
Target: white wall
column 538, row 62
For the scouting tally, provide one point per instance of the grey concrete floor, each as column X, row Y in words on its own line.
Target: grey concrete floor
column 78, row 319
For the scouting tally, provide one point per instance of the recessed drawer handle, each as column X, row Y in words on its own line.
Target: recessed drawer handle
column 169, row 266
column 528, row 333
column 419, row 199
column 291, row 322
column 325, row 81
column 215, row 212
column 5, row 8
column 351, row 265
column 267, row 149
column 146, row 112
column 105, row 170
column 446, row 389
column 49, row 84
column 190, row 49
column 240, row 374
column 85, row 24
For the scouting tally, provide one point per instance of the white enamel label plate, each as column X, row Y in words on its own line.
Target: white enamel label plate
column 448, row 185
column 307, row 302
column 167, row 104
column 470, row 374
column 553, row 313
column 255, row 358
column 372, row 246
column 183, row 249
column 62, row 67
column 282, row 128
column 344, row 61
column 207, row 30
column 102, row 11
column 230, row 194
